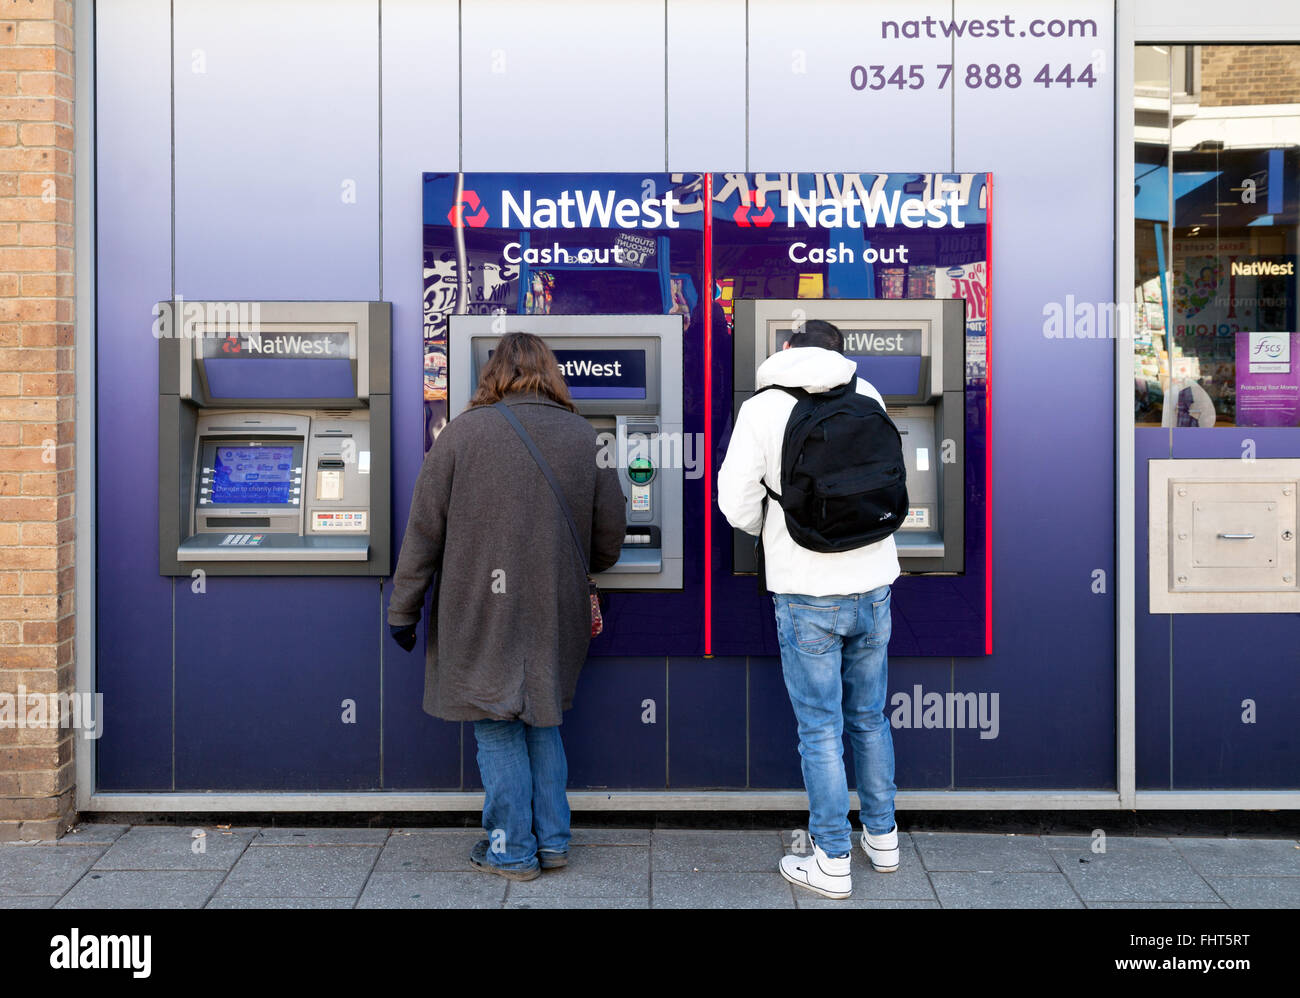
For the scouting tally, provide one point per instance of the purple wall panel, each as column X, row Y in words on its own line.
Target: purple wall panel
column 1222, row 660
column 1152, row 634
column 419, row 59
column 134, row 636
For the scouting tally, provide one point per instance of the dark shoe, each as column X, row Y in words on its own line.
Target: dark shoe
column 552, row 860
column 478, row 859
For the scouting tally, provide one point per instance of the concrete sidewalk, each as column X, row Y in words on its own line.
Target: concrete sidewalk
column 157, row 866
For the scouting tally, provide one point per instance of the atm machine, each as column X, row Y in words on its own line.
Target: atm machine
column 913, row 352
column 624, row 373
column 274, row 423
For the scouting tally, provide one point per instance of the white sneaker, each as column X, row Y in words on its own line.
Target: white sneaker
column 820, row 873
column 882, row 850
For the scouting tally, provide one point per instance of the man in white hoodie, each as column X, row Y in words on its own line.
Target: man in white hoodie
column 832, row 620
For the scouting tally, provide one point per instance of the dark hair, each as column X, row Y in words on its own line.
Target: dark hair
column 817, row 333
column 521, row 362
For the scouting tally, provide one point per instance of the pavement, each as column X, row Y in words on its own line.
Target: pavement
column 170, row 866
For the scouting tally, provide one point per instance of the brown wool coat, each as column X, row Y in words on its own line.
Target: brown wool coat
column 512, row 620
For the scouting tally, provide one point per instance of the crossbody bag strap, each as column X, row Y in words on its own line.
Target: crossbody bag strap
column 546, row 470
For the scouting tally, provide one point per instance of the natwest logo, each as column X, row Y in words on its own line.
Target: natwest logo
column 475, row 218
column 230, row 344
column 587, row 209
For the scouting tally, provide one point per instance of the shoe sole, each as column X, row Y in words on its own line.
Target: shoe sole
column 871, row 859
column 553, row 864
column 833, row 895
column 520, row 875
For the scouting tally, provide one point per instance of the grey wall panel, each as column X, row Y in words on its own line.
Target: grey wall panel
column 706, row 85
column 805, row 115
column 573, row 86
column 277, row 149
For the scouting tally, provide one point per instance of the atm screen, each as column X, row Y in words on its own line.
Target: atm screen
column 257, row 475
column 604, row 374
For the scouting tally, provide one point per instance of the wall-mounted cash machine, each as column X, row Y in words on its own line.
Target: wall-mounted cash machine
column 624, row 373
column 274, row 423
column 913, row 352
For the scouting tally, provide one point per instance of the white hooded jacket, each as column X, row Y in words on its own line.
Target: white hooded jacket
column 754, row 457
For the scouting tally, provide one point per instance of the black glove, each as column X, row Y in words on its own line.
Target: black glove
column 403, row 634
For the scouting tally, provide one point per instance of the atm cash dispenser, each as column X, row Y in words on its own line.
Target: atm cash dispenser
column 624, row 374
column 273, row 438
column 913, row 352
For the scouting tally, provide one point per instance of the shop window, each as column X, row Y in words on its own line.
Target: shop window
column 1216, row 193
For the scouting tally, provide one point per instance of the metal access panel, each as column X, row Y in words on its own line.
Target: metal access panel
column 913, row 353
column 274, row 422
column 624, row 373
column 1223, row 536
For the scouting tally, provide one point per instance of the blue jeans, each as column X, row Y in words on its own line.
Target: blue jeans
column 833, row 656
column 525, row 809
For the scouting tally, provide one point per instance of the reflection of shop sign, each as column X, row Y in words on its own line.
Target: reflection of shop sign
column 1262, row 268
column 1270, row 352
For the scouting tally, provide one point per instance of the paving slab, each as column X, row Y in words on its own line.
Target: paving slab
column 30, row 901
column 428, row 850
column 320, row 871
column 721, row 890
column 1154, row 904
column 610, row 837
column 263, row 903
column 1084, row 843
column 593, row 872
column 321, row 836
column 1139, row 874
column 610, row 903
column 1258, row 892
column 434, row 890
column 142, row 889
column 983, row 853
column 1004, row 890
column 159, row 847
column 92, row 833
column 733, row 852
column 806, row 899
column 1235, row 857
column 40, row 870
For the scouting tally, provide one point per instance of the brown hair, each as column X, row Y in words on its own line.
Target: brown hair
column 521, row 362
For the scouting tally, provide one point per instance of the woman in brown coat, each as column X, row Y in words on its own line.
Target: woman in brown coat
column 512, row 616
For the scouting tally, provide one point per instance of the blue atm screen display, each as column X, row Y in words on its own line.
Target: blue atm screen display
column 252, row 476
column 603, row 374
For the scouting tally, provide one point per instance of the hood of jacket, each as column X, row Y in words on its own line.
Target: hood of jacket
column 813, row 369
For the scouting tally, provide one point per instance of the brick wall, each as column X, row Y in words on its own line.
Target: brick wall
column 36, row 406
column 1250, row 74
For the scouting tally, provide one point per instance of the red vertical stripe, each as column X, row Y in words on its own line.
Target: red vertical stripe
column 988, row 419
column 708, row 413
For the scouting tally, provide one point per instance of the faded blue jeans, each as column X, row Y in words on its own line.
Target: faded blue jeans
column 833, row 656
column 525, row 809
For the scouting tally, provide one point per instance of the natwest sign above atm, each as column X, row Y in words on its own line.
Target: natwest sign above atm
column 657, row 201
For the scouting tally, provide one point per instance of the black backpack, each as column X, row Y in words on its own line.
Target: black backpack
column 843, row 478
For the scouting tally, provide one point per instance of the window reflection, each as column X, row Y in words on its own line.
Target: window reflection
column 1218, row 151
